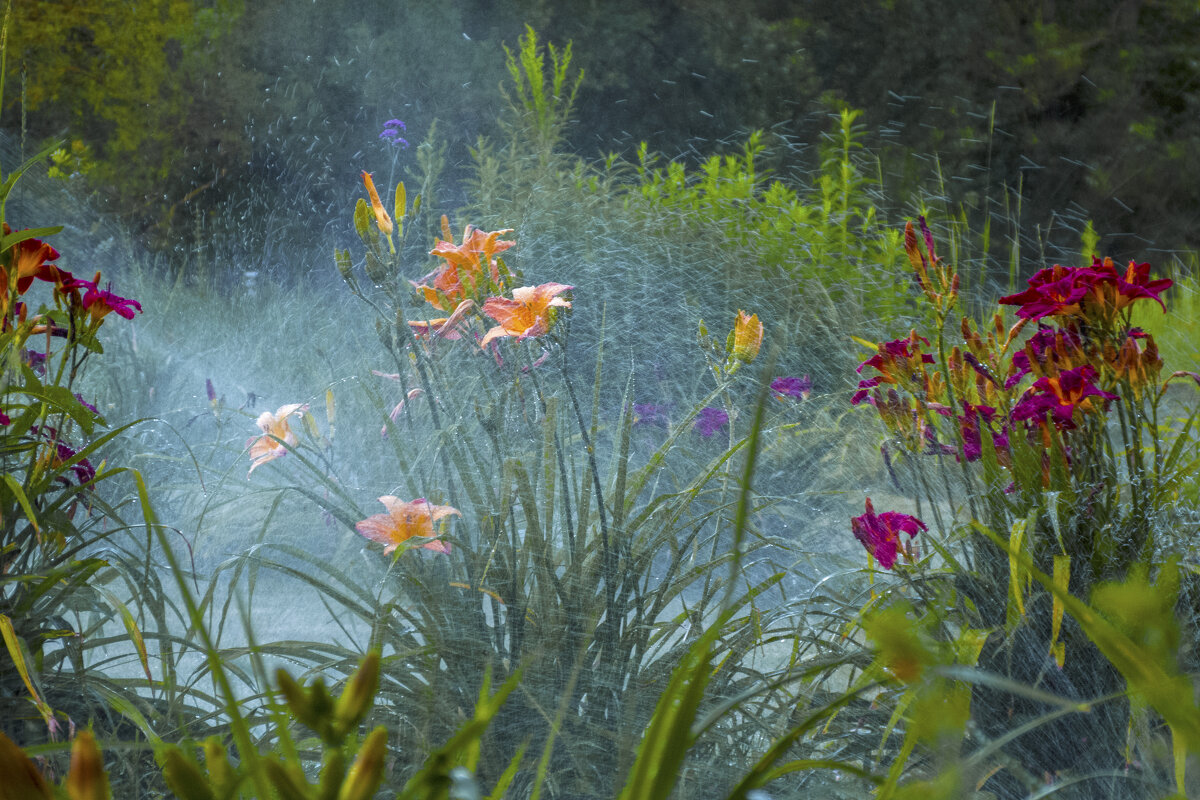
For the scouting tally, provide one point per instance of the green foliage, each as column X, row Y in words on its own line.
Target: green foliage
column 602, row 567
column 1071, row 494
column 53, row 587
column 120, row 79
column 544, row 98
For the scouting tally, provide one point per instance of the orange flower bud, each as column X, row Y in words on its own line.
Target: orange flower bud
column 747, row 337
column 382, row 219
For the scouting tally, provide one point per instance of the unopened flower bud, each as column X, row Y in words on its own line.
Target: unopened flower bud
column 381, row 216
column 359, row 694
column 367, row 772
column 747, row 337
column 86, row 779
column 183, row 778
column 375, row 270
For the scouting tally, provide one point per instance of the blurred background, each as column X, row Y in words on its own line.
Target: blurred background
column 180, row 116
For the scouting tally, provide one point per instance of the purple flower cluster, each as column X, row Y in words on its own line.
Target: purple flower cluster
column 792, row 387
column 710, row 420
column 391, row 133
column 651, row 414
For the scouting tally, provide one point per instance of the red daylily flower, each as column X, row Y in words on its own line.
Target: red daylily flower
column 28, row 259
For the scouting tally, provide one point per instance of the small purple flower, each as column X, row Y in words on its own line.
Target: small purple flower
column 710, row 420
column 391, row 133
column 210, row 390
column 5, row 419
column 795, row 388
column 650, row 414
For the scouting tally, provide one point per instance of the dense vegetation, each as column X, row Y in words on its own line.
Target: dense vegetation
column 561, row 493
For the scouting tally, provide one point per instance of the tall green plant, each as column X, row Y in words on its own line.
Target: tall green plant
column 553, row 554
column 1068, row 445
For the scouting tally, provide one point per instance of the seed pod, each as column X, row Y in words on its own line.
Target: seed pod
column 376, row 272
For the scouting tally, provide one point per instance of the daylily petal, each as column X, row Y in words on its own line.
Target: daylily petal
column 382, row 219
column 404, row 521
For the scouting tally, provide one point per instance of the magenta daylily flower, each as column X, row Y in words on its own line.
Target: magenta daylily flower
column 1067, row 291
column 36, row 361
column 86, row 404
column 880, row 534
column 100, row 302
column 1047, row 345
column 1132, row 284
column 1053, row 291
column 62, row 453
column 974, row 420
column 899, row 362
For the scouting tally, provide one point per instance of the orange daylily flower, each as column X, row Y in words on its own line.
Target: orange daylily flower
column 265, row 448
column 404, row 521
column 527, row 314
column 747, row 337
column 382, row 219
column 463, row 273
